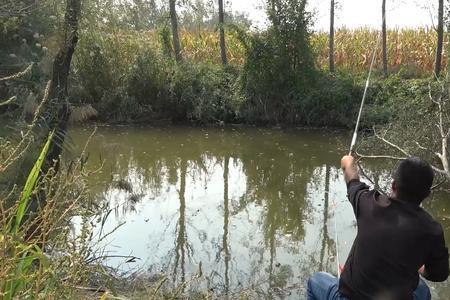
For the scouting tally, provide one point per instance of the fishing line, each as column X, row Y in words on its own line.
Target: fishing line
column 353, row 142
column 336, row 238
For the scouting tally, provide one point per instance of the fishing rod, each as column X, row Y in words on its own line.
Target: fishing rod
column 363, row 101
column 353, row 142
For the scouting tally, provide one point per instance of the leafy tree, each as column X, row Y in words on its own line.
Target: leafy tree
column 280, row 66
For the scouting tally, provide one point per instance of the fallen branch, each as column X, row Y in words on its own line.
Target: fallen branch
column 9, row 101
column 91, row 289
column 130, row 258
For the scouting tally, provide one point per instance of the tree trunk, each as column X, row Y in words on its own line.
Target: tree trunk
column 385, row 58
column 58, row 107
column 223, row 50
column 440, row 41
column 57, row 110
column 331, row 40
column 176, row 38
column 272, row 12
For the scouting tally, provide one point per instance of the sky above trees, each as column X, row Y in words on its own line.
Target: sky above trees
column 355, row 13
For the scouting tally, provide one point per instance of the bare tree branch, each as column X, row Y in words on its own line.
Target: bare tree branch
column 436, row 169
column 380, row 156
column 438, row 184
column 390, row 143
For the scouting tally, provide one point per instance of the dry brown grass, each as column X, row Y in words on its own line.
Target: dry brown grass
column 83, row 113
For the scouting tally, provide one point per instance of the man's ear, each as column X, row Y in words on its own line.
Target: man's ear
column 394, row 186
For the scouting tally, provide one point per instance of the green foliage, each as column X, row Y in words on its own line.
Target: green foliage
column 389, row 97
column 202, row 93
column 9, row 28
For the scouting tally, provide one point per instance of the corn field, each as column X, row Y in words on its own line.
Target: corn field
column 203, row 46
column 408, row 49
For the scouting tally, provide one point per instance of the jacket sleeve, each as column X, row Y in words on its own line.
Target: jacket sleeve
column 355, row 190
column 436, row 264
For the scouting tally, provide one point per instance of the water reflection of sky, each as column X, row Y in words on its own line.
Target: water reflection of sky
column 249, row 208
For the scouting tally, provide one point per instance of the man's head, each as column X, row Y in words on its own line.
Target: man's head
column 413, row 180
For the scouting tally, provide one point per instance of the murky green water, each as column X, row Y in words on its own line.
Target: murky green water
column 250, row 208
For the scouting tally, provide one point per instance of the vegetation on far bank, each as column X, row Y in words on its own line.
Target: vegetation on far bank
column 126, row 72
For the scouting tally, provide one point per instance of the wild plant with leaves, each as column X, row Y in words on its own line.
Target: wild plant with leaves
column 40, row 256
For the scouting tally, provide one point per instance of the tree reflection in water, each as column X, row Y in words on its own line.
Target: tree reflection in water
column 326, row 239
column 181, row 246
column 226, row 215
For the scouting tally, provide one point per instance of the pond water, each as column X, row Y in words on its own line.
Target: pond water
column 248, row 208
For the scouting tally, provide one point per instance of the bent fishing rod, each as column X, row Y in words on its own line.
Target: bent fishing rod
column 353, row 142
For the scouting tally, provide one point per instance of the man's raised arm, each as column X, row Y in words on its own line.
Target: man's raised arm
column 355, row 188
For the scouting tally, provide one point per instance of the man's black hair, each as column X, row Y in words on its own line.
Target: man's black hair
column 414, row 178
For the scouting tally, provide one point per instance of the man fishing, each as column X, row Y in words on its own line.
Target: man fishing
column 397, row 240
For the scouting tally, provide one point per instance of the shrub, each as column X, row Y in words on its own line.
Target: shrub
column 121, row 75
column 388, row 97
column 201, row 93
column 146, row 79
column 334, row 102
